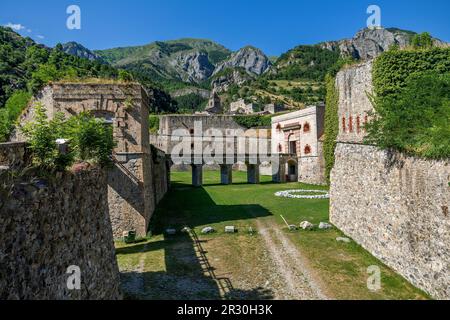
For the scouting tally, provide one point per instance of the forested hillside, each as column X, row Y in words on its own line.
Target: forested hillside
column 25, row 67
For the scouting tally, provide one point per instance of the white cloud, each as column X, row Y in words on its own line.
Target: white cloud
column 40, row 37
column 29, row 30
column 15, row 26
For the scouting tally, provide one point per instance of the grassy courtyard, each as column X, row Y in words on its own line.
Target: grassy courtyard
column 246, row 265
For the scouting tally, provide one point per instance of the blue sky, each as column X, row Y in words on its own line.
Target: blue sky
column 274, row 26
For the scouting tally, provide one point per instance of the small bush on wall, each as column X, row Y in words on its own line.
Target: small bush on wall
column 11, row 112
column 90, row 139
column 253, row 121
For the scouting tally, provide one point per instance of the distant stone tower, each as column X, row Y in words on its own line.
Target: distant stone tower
column 214, row 104
column 126, row 108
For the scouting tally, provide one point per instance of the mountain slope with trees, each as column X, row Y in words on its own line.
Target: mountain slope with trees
column 26, row 67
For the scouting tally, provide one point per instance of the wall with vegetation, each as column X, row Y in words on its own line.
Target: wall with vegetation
column 331, row 124
column 412, row 102
column 396, row 204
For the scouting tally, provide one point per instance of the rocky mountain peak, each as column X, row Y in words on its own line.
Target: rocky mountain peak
column 370, row 43
column 195, row 66
column 251, row 59
column 79, row 50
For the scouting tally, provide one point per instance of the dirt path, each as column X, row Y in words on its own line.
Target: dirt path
column 276, row 270
column 299, row 282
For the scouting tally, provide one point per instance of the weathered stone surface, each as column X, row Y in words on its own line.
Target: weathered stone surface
column 324, row 225
column 396, row 207
column 230, row 229
column 370, row 43
column 222, row 83
column 195, row 66
column 249, row 58
column 354, row 85
column 14, row 155
column 81, row 51
column 306, row 225
column 49, row 226
column 207, row 230
column 139, row 178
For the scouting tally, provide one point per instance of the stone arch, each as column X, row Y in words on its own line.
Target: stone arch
column 292, row 170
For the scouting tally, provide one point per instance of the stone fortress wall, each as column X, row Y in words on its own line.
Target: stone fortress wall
column 47, row 226
column 396, row 207
column 13, row 155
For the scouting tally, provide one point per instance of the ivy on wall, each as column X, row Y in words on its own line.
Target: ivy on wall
column 331, row 123
column 392, row 69
column 412, row 102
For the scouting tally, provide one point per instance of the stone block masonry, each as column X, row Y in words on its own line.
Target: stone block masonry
column 354, row 85
column 397, row 208
column 14, row 155
column 50, row 225
column 131, row 181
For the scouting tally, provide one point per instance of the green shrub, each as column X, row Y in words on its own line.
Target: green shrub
column 331, row 113
column 125, row 76
column 41, row 135
column 9, row 115
column 153, row 122
column 422, row 41
column 253, row 121
column 190, row 103
column 90, row 139
column 305, row 62
column 416, row 119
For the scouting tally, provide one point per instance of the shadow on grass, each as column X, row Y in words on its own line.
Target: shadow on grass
column 187, row 206
column 188, row 274
column 237, row 184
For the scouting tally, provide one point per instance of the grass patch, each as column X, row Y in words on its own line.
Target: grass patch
column 174, row 267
